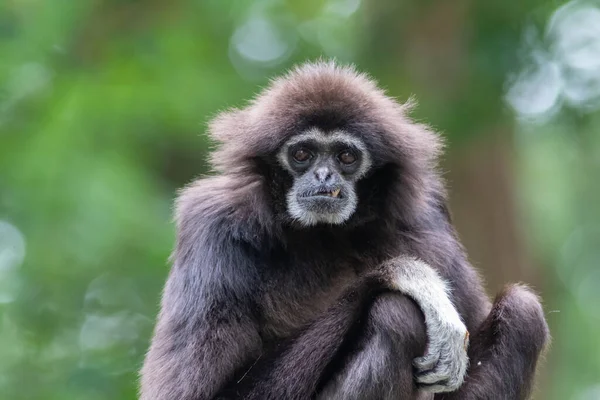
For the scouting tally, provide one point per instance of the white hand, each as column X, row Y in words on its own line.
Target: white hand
column 444, row 366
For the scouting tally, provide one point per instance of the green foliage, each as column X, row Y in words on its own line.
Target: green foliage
column 103, row 108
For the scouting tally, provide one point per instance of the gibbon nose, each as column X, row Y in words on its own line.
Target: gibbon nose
column 324, row 175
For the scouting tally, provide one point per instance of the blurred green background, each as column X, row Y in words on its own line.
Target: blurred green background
column 103, row 108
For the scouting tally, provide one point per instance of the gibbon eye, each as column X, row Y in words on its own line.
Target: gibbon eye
column 347, row 157
column 302, row 155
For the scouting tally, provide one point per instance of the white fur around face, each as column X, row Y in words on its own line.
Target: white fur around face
column 306, row 217
column 309, row 218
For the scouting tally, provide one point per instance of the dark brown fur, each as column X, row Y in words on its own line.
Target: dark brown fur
column 258, row 307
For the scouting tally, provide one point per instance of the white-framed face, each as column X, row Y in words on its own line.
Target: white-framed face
column 325, row 167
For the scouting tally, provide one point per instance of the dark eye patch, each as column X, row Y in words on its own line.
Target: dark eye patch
column 308, row 144
column 339, row 148
column 302, row 153
column 347, row 157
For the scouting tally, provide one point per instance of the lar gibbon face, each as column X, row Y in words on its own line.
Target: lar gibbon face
column 325, row 167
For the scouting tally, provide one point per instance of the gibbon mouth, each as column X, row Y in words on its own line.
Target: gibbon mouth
column 332, row 193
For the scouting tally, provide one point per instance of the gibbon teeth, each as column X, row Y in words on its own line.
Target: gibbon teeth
column 335, row 193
